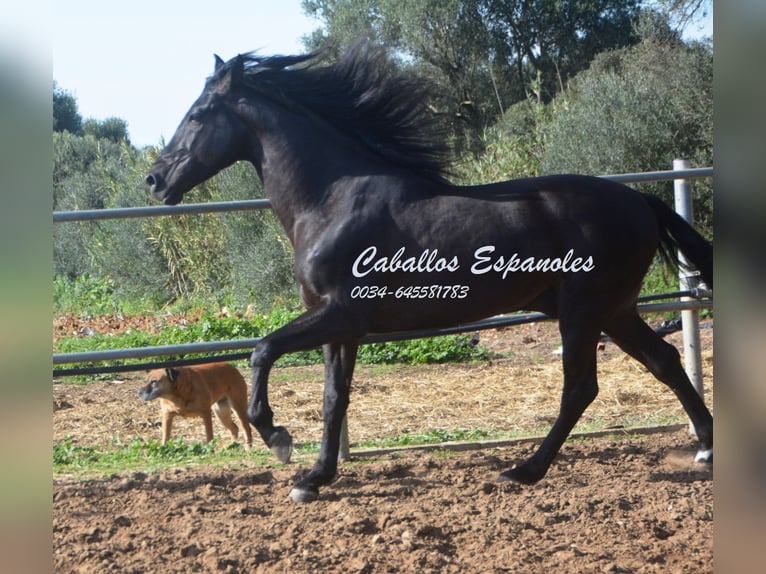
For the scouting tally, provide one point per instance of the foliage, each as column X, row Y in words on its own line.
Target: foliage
column 554, row 41
column 112, row 129
column 91, row 173
column 73, row 156
column 512, row 148
column 239, row 258
column 85, row 296
column 659, row 279
column 628, row 113
column 485, row 54
column 681, row 13
column 150, row 455
column 66, row 116
column 210, row 327
column 449, row 349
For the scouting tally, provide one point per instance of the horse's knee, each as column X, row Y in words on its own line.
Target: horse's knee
column 260, row 356
column 252, row 415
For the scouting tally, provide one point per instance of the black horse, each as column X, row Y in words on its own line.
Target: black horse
column 356, row 171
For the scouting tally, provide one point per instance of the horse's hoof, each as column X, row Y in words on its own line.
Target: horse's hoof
column 507, row 476
column 301, row 495
column 281, row 445
column 704, row 456
column 518, row 475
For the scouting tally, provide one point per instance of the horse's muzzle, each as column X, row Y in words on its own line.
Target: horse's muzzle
column 159, row 190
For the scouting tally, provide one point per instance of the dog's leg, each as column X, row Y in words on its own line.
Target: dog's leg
column 238, row 402
column 207, row 417
column 223, row 411
column 167, row 425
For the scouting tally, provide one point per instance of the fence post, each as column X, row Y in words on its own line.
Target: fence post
column 344, row 453
column 688, row 281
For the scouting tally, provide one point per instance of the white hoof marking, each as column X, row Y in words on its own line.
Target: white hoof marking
column 704, row 455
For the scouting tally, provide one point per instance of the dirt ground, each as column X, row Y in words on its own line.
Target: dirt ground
column 624, row 502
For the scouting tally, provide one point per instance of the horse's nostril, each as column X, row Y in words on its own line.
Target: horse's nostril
column 150, row 181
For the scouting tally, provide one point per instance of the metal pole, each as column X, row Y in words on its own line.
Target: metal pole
column 687, row 281
column 345, row 452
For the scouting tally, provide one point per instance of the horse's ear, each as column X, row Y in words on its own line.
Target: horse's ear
column 233, row 76
column 172, row 374
column 237, row 69
column 218, row 62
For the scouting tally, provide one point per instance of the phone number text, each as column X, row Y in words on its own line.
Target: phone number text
column 410, row 292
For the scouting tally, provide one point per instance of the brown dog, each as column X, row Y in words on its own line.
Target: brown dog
column 192, row 391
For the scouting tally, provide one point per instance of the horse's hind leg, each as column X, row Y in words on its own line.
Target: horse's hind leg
column 662, row 359
column 580, row 388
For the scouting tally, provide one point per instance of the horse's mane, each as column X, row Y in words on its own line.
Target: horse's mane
column 362, row 95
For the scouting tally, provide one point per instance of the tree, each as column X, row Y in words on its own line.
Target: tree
column 681, row 13
column 553, row 41
column 486, row 54
column 112, row 129
column 66, row 116
column 444, row 40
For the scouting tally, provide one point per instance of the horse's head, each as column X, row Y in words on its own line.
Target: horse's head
column 209, row 138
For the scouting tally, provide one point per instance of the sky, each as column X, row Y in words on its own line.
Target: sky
column 145, row 61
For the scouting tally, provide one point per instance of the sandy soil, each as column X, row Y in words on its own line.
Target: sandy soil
column 625, row 502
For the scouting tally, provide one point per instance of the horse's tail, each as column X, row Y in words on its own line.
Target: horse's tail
column 676, row 234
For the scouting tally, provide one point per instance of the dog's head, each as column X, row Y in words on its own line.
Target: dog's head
column 160, row 382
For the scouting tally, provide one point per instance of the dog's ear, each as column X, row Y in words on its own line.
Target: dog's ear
column 172, row 374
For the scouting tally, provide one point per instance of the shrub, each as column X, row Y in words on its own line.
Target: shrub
column 635, row 110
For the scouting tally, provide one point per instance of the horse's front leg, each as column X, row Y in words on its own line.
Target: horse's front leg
column 339, row 361
column 259, row 412
column 312, row 329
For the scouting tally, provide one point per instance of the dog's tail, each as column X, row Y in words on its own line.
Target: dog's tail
column 676, row 234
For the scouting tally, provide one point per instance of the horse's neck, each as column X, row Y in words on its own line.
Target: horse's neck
column 287, row 183
column 302, row 162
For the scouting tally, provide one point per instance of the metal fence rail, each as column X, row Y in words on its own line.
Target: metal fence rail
column 216, row 207
column 238, row 344
column 222, row 346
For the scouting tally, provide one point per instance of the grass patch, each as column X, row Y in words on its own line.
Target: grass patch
column 148, row 456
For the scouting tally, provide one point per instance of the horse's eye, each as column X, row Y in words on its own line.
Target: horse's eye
column 200, row 112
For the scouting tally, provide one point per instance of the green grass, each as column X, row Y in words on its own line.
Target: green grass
column 148, row 456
